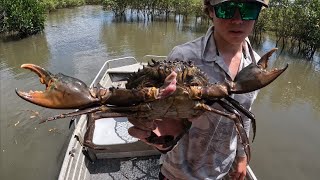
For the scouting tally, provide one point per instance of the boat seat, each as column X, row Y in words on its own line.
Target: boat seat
column 127, row 69
column 119, row 135
column 109, row 138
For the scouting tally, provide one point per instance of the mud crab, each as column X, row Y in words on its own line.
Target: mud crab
column 162, row 89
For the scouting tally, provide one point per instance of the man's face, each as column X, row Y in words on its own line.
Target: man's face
column 233, row 30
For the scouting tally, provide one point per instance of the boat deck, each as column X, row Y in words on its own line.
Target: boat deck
column 125, row 168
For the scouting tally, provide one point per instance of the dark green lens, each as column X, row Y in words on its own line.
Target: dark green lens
column 249, row 11
column 225, row 10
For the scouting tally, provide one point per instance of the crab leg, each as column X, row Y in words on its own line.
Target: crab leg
column 233, row 115
column 243, row 110
column 71, row 114
column 109, row 111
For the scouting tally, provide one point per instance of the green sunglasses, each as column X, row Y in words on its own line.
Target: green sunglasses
column 248, row 10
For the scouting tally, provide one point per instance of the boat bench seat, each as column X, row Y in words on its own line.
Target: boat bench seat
column 109, row 138
column 127, row 69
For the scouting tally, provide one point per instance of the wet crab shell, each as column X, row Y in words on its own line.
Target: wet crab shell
column 154, row 74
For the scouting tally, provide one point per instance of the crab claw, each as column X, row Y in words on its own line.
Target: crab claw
column 256, row 76
column 62, row 92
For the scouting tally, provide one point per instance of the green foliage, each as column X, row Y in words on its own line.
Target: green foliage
column 56, row 4
column 24, row 17
column 117, row 6
column 93, row 1
column 197, row 8
column 182, row 7
column 2, row 17
column 295, row 21
column 27, row 17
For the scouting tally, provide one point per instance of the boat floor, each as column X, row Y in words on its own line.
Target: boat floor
column 144, row 168
column 138, row 168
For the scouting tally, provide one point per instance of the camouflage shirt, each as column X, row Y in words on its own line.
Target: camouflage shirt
column 208, row 150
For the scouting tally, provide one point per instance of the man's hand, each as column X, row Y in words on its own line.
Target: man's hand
column 240, row 170
column 163, row 127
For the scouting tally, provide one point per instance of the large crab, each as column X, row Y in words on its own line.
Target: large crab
column 162, row 89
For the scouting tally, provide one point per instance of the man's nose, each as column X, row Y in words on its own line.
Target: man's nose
column 237, row 17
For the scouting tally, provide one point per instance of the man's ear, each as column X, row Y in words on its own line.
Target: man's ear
column 211, row 13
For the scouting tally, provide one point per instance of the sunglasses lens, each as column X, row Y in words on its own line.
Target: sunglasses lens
column 248, row 11
column 225, row 10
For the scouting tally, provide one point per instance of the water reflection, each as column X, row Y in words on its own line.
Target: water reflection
column 72, row 36
column 299, row 83
column 287, row 113
column 268, row 42
column 141, row 38
column 295, row 84
column 33, row 49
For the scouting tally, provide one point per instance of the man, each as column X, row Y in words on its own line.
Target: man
column 211, row 146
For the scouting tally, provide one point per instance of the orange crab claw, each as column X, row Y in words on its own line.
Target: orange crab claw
column 62, row 92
